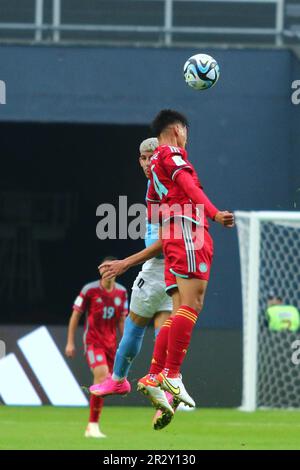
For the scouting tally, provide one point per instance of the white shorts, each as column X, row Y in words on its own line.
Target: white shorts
column 148, row 291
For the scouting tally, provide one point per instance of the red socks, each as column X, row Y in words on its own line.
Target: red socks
column 172, row 342
column 96, row 404
column 179, row 339
column 160, row 348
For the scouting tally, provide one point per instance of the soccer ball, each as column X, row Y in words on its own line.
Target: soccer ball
column 201, row 71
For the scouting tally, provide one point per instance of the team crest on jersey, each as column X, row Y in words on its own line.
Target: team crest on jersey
column 118, row 301
column 99, row 300
column 203, row 267
column 99, row 358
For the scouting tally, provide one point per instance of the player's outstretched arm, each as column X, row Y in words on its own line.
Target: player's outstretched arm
column 70, row 350
column 225, row 218
column 186, row 182
column 110, row 269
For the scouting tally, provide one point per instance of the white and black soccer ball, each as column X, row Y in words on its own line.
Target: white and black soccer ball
column 201, row 71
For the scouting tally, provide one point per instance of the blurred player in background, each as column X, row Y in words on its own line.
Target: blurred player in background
column 148, row 300
column 281, row 316
column 175, row 184
column 105, row 303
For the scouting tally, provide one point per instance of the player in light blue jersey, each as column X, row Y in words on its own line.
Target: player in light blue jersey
column 148, row 300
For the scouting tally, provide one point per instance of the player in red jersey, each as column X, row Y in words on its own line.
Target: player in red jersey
column 183, row 210
column 176, row 198
column 106, row 305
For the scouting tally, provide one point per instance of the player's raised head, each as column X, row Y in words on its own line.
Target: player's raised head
column 107, row 258
column 148, row 145
column 172, row 123
column 147, row 148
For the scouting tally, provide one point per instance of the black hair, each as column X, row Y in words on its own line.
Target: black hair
column 165, row 118
column 108, row 258
column 273, row 295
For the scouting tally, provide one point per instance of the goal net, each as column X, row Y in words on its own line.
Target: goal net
column 269, row 244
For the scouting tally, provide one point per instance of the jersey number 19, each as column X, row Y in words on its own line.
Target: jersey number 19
column 108, row 312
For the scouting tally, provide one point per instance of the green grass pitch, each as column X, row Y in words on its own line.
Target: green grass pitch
column 130, row 428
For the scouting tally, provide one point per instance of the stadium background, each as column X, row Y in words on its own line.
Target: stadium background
column 70, row 131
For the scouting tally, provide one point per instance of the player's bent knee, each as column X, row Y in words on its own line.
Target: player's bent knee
column 197, row 306
column 196, row 303
column 199, row 302
column 138, row 319
column 160, row 318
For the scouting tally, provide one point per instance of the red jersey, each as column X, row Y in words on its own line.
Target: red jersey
column 166, row 163
column 103, row 311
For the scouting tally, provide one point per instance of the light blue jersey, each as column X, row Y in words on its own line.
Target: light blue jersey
column 152, row 230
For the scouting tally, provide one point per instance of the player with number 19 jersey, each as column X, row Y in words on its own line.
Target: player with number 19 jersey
column 103, row 311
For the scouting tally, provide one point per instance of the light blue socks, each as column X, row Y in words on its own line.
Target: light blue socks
column 129, row 347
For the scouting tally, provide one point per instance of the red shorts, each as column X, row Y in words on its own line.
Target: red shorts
column 100, row 357
column 189, row 255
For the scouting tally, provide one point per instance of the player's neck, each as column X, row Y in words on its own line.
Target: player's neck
column 107, row 284
column 167, row 139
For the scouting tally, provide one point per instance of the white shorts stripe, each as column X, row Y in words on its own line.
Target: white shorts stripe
column 192, row 248
column 186, row 246
column 189, row 246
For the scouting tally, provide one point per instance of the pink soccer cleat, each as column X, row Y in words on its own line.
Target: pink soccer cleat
column 111, row 387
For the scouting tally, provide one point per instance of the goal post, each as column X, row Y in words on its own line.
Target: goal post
column 269, row 247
